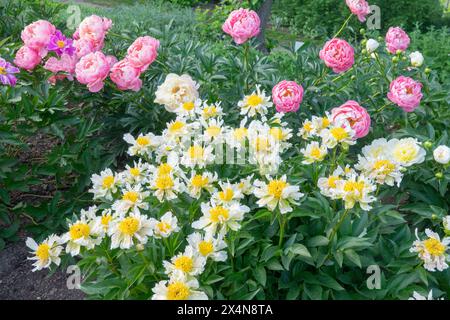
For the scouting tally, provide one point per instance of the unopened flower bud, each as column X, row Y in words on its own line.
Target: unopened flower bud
column 439, row 175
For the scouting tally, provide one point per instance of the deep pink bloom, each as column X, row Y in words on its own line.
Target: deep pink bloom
column 27, row 58
column 356, row 116
column 406, row 93
column 287, row 96
column 143, row 52
column 66, row 63
column 397, row 39
column 7, row 71
column 60, row 44
column 94, row 29
column 360, row 8
column 241, row 25
column 126, row 76
column 338, row 55
column 37, row 36
column 92, row 70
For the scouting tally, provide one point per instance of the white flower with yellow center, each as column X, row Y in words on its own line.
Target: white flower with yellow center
column 199, row 182
column 236, row 137
column 432, row 250
column 228, row 193
column 166, row 148
column 136, row 173
column 189, row 263
column 189, row 109
column 328, row 185
column 320, row 123
column 256, row 103
column 209, row 111
column 307, row 130
column 177, row 129
column 166, row 186
column 82, row 233
column 179, row 287
column 223, row 217
column 276, row 192
column 45, row 253
column 103, row 222
column 406, row 152
column 281, row 135
column 164, row 227
column 132, row 200
column 176, row 90
column 126, row 230
column 105, row 184
column 356, row 189
column 207, row 246
column 245, row 185
column 314, row 152
column 213, row 131
column 381, row 170
column 337, row 134
column 377, row 149
column 197, row 155
column 143, row 145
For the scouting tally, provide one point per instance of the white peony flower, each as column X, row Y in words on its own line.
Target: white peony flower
column 442, row 154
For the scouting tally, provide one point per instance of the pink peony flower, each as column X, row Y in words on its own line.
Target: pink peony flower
column 406, row 93
column 111, row 60
column 356, row 116
column 241, row 25
column 66, row 63
column 27, row 58
column 143, row 52
column 92, row 70
column 360, row 8
column 338, row 54
column 37, row 36
column 94, row 29
column 287, row 96
column 83, row 47
column 58, row 77
column 126, row 76
column 397, row 39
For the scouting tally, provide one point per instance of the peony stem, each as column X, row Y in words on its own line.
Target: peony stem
column 343, row 26
column 282, row 222
column 336, row 228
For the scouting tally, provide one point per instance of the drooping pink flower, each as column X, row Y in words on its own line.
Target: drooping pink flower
column 143, row 52
column 27, row 58
column 92, row 70
column 37, row 36
column 360, row 8
column 406, row 93
column 126, row 76
column 241, row 25
column 356, row 116
column 338, row 55
column 287, row 96
column 94, row 29
column 60, row 44
column 7, row 71
column 397, row 39
column 66, row 63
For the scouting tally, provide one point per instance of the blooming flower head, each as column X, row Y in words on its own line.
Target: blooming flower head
column 65, row 63
column 328, row 185
column 396, row 39
column 197, row 155
column 356, row 116
column 256, row 103
column 125, row 231
column 37, row 36
column 380, row 170
column 45, row 253
column 179, row 287
column 287, row 96
column 213, row 131
column 137, row 173
column 189, row 109
column 27, row 58
column 189, row 263
column 94, row 29
column 276, row 192
column 105, row 184
column 208, row 246
column 166, row 186
column 126, row 76
column 176, row 90
column 143, row 52
column 82, row 233
column 314, row 152
column 360, row 8
column 92, row 70
column 227, row 194
column 432, row 250
column 406, row 93
column 210, row 110
column 338, row 55
column 356, row 189
column 60, row 44
column 199, row 182
column 7, row 71
column 376, row 149
column 132, row 199
column 241, row 25
column 442, row 154
column 143, row 145
column 338, row 133
column 406, row 151
column 164, row 227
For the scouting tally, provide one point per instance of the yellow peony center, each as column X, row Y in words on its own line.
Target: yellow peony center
column 188, row 106
column 3, row 71
column 315, row 152
column 163, row 226
column 61, row 44
column 307, row 126
column 199, row 181
column 218, row 214
column 434, row 247
column 184, row 263
column 240, row 133
column 135, row 172
column 164, row 182
column 276, row 133
column 354, row 186
column 262, row 144
column 106, row 219
column 339, row 133
column 196, row 152
column 108, row 182
column 143, row 141
column 325, row 122
column 254, row 100
column 226, row 195
column 209, row 112
column 43, row 252
column 405, row 153
column 129, row 226
column 178, row 291
column 205, row 248
column 332, row 181
column 79, row 230
column 213, row 131
column 384, row 166
column 176, row 126
column 276, row 187
column 164, row 169
column 131, row 196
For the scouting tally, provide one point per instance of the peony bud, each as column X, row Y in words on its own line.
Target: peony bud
column 428, row 144
column 372, row 45
column 439, row 175
column 442, row 154
column 416, row 59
